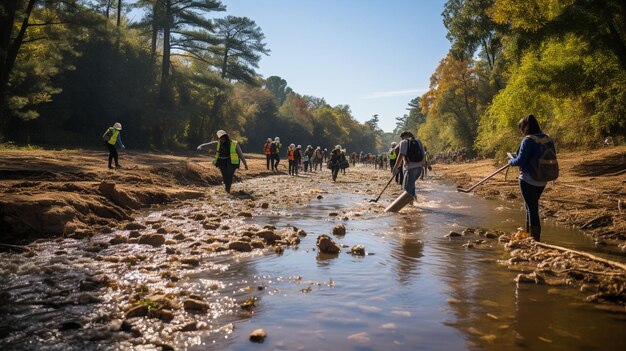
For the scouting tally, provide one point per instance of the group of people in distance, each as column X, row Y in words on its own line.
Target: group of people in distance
column 407, row 160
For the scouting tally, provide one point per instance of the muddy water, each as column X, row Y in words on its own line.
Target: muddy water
column 415, row 289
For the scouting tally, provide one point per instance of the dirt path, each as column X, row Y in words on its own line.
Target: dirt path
column 587, row 194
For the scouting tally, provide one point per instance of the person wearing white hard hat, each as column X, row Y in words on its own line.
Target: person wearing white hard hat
column 317, row 158
column 111, row 139
column 275, row 154
column 267, row 148
column 291, row 158
column 308, row 157
column 298, row 158
column 228, row 156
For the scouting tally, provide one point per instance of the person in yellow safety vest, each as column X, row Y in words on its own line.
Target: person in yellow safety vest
column 393, row 156
column 112, row 138
column 228, row 156
column 267, row 147
column 291, row 157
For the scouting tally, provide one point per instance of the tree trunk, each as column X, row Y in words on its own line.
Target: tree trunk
column 9, row 56
column 165, row 69
column 119, row 13
column 225, row 60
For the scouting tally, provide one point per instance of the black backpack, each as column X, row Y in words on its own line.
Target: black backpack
column 273, row 148
column 547, row 167
column 107, row 135
column 414, row 152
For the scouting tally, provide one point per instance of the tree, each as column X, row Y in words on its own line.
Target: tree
column 240, row 48
column 278, row 87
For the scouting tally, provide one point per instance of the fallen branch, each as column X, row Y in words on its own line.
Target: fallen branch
column 584, row 254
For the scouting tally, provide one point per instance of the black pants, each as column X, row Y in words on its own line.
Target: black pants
column 268, row 159
column 275, row 159
column 307, row 166
column 400, row 175
column 335, row 170
column 112, row 154
column 292, row 167
column 228, row 171
column 531, row 195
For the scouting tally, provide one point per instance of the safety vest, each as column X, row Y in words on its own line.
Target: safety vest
column 113, row 138
column 290, row 154
column 268, row 148
column 392, row 154
column 234, row 157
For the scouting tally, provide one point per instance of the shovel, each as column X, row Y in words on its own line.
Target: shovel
column 385, row 188
column 482, row 181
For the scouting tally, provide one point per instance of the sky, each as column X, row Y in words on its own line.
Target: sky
column 373, row 55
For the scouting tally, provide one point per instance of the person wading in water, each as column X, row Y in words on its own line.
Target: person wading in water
column 537, row 162
column 228, row 156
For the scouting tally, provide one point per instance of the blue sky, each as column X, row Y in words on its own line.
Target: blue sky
column 373, row 55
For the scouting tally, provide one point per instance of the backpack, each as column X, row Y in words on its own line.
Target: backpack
column 547, row 167
column 107, row 135
column 414, row 152
column 273, row 148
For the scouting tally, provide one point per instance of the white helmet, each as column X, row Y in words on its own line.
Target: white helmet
column 269, row 140
column 117, row 126
column 299, row 147
column 337, row 147
column 220, row 133
column 277, row 139
column 393, row 144
column 292, row 145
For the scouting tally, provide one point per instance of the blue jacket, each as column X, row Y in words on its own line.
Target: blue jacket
column 528, row 156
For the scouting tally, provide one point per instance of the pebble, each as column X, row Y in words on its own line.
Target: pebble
column 155, row 240
column 339, row 230
column 453, row 234
column 193, row 305
column 258, row 336
column 240, row 246
column 358, row 250
column 326, row 245
column 134, row 226
column 137, row 311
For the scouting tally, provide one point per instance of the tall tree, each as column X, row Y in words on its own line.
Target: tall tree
column 279, row 88
column 240, row 49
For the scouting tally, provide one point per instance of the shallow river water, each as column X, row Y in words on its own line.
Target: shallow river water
column 415, row 288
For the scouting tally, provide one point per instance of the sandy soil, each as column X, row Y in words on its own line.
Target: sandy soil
column 47, row 193
column 589, row 194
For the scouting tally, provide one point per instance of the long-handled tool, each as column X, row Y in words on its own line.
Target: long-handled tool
column 482, row 181
column 385, row 188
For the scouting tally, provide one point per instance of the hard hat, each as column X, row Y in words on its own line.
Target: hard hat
column 299, row 146
column 309, row 147
column 292, row 145
column 117, row 126
column 269, row 139
column 337, row 146
column 318, row 147
column 393, row 144
column 221, row 133
column 277, row 139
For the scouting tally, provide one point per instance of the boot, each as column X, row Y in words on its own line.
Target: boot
column 535, row 232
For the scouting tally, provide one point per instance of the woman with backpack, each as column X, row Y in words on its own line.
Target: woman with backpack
column 537, row 162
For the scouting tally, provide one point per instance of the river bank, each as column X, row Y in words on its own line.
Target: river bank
column 587, row 194
column 50, row 193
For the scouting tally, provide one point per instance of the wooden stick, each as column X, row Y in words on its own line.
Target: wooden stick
column 584, row 254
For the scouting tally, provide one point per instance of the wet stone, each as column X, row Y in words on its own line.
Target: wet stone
column 258, row 336
column 192, row 261
column 70, row 325
column 268, row 235
column 265, row 205
column 155, row 240
column 179, row 236
column 162, row 230
column 240, row 246
column 190, row 326
column 137, row 311
column 244, row 214
column 453, row 234
column 193, row 305
column 84, row 299
column 199, row 217
column 134, row 226
column 339, row 230
column 134, row 234
column 358, row 250
column 118, row 240
column 301, row 232
column 326, row 245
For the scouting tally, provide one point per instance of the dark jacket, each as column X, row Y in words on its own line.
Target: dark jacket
column 528, row 156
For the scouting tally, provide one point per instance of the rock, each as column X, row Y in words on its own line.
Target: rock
column 532, row 278
column 301, row 232
column 191, row 326
column 118, row 240
column 192, row 261
column 210, row 225
column 164, row 315
column 333, row 214
column 265, row 205
column 170, row 242
column 134, row 234
column 258, row 336
column 170, row 251
column 319, row 197
column 268, row 235
column 193, row 305
column 453, row 234
column 137, row 311
column 244, row 214
column 134, row 226
column 85, row 298
column 155, row 240
column 162, row 230
column 358, row 250
column 326, row 245
column 199, row 217
column 279, row 249
column 339, row 230
column 491, row 235
column 257, row 244
column 70, row 325
column 240, row 246
column 179, row 236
